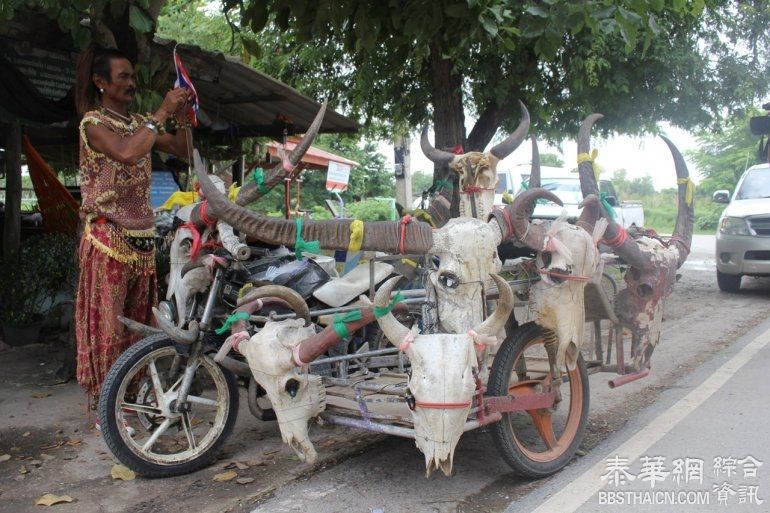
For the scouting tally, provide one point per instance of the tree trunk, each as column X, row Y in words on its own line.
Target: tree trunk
column 12, row 227
column 448, row 114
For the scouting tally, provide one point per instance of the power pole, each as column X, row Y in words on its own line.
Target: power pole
column 403, row 172
column 12, row 227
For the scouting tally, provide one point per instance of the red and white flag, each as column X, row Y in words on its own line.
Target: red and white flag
column 183, row 80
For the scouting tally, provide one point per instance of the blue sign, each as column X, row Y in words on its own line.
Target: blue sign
column 163, row 186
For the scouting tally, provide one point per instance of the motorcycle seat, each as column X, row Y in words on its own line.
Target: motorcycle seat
column 341, row 291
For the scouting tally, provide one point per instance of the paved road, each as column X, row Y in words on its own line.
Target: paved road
column 703, row 446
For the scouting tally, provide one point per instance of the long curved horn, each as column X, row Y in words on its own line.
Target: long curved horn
column 534, row 173
column 291, row 297
column 437, row 156
column 390, row 326
column 495, row 322
column 513, row 141
column 588, row 184
column 387, row 236
column 175, row 333
column 251, row 192
column 514, row 218
column 682, row 235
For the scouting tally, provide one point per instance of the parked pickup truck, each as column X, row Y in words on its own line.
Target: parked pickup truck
column 566, row 186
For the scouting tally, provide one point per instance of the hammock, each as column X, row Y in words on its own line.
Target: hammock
column 58, row 207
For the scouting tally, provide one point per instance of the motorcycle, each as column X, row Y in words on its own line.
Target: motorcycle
column 166, row 406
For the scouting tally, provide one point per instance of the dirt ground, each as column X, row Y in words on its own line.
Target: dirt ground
column 47, row 444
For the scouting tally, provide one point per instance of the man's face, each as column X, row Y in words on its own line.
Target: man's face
column 122, row 85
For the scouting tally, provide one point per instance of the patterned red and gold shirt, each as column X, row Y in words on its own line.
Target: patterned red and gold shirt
column 110, row 189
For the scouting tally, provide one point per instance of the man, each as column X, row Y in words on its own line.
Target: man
column 117, row 252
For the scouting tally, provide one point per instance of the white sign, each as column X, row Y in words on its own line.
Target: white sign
column 337, row 176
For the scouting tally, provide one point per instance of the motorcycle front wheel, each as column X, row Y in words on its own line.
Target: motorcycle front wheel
column 137, row 413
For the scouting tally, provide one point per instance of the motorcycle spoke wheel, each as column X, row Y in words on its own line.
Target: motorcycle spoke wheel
column 142, row 424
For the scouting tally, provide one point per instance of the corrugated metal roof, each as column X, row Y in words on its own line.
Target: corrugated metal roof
column 245, row 101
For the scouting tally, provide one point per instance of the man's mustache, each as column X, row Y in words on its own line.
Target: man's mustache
column 130, row 90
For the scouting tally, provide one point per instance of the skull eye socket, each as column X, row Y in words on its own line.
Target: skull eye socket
column 448, row 280
column 292, row 387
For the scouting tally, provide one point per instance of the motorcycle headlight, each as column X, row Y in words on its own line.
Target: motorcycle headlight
column 734, row 226
column 168, row 310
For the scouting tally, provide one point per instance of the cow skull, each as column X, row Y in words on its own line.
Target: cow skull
column 444, row 371
column 296, row 396
column 478, row 170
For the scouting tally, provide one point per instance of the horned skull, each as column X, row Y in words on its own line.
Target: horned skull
column 478, row 170
column 558, row 297
column 296, row 396
column 444, row 370
column 652, row 260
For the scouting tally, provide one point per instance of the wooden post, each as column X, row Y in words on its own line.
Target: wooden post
column 12, row 228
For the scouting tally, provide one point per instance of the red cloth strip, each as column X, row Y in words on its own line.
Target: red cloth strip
column 619, row 239
column 196, row 245
column 402, row 238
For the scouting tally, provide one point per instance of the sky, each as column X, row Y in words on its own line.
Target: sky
column 639, row 156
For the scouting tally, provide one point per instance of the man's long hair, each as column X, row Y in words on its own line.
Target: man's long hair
column 94, row 60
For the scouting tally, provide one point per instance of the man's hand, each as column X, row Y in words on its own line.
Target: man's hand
column 174, row 100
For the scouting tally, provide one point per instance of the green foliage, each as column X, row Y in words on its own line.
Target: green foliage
column 420, row 182
column 639, row 62
column 723, row 155
column 33, row 275
column 634, row 188
column 195, row 22
column 372, row 210
column 551, row 159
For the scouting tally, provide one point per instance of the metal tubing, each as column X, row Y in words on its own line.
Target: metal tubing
column 488, row 419
column 238, row 368
column 208, row 311
column 628, row 378
column 368, row 425
column 378, row 352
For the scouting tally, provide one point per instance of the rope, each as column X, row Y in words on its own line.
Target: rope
column 238, row 316
column 443, row 406
column 402, row 237
column 474, row 189
column 341, row 321
column 196, row 245
column 688, row 190
column 406, row 342
column 565, row 277
column 380, row 311
column 301, row 245
column 232, row 194
column 258, row 175
column 618, row 241
column 356, row 235
column 606, row 205
column 585, row 157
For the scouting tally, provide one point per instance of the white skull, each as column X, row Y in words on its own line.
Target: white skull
column 559, row 296
column 478, row 179
column 296, row 396
column 181, row 289
column 442, row 384
column 467, row 250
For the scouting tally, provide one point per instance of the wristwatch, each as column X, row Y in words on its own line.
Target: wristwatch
column 152, row 126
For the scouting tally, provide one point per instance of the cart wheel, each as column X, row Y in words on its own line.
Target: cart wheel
column 138, row 424
column 537, row 443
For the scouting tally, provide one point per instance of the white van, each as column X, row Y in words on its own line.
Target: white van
column 566, row 185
